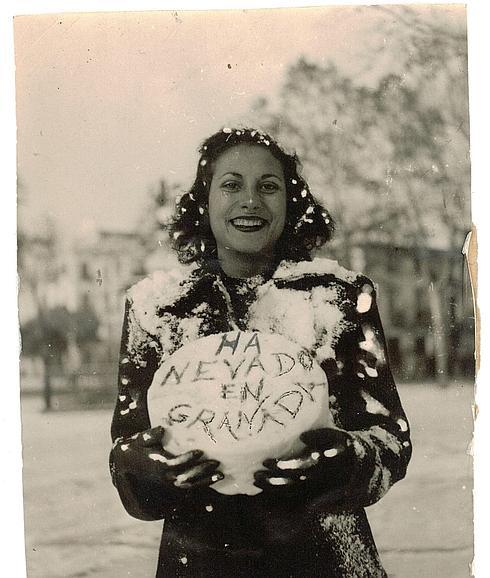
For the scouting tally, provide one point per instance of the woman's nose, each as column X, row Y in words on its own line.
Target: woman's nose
column 249, row 198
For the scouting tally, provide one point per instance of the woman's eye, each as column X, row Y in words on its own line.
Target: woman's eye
column 269, row 187
column 231, row 186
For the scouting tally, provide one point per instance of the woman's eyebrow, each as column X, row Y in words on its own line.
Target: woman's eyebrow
column 230, row 173
column 267, row 175
column 264, row 176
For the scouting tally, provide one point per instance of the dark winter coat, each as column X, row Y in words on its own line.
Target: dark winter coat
column 331, row 312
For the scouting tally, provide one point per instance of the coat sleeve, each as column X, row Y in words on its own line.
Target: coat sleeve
column 138, row 361
column 366, row 404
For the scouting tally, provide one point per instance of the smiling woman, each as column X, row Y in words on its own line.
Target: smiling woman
column 246, row 172
column 256, row 411
column 247, row 208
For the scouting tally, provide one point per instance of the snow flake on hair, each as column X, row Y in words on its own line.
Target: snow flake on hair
column 303, row 219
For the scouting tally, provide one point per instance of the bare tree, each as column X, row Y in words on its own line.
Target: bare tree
column 390, row 157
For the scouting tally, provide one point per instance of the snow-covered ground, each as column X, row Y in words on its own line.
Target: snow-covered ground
column 76, row 526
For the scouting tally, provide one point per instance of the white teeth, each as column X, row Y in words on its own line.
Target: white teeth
column 247, row 222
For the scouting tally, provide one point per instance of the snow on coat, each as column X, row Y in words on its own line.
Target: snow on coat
column 332, row 313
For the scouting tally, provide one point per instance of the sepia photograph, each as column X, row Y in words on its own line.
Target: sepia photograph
column 246, row 292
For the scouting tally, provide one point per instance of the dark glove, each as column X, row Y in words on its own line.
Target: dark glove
column 325, row 467
column 143, row 459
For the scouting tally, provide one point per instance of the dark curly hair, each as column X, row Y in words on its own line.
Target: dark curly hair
column 308, row 224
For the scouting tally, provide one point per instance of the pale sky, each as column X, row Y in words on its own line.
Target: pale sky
column 108, row 103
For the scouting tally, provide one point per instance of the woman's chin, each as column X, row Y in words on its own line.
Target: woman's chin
column 252, row 250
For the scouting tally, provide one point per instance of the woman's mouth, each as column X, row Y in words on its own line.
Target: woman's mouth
column 248, row 224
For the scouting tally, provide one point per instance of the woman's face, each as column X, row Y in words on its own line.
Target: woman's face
column 247, row 201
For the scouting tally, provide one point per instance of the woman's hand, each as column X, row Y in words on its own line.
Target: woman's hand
column 325, row 466
column 143, row 458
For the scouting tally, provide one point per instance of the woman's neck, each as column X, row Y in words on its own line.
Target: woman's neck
column 244, row 265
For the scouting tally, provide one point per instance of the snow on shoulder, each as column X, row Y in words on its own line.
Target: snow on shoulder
column 318, row 266
column 321, row 309
column 158, row 289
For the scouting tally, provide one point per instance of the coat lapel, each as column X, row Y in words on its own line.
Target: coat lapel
column 307, row 302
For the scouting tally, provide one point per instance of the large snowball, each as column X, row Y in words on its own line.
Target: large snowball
column 241, row 397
